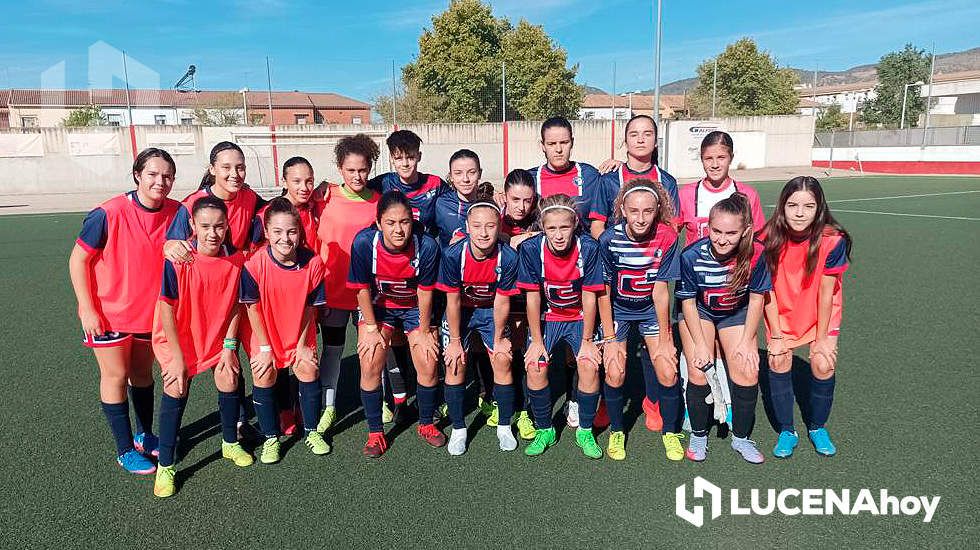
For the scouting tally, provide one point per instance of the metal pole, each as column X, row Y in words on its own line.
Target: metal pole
column 129, row 104
column 503, row 91
column 814, row 99
column 394, row 97
column 656, row 92
column 631, row 104
column 932, row 71
column 905, row 95
column 612, row 137
column 714, row 88
column 268, row 75
column 244, row 107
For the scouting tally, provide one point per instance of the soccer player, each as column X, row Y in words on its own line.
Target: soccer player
column 807, row 252
column 282, row 284
column 346, row 209
column 561, row 273
column 195, row 330
column 479, row 275
column 723, row 283
column 393, row 268
column 640, row 259
column 116, row 300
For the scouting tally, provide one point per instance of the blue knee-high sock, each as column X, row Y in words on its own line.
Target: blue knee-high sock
column 243, row 400
column 454, row 401
column 781, row 394
column 541, row 407
column 171, row 412
column 142, row 400
column 650, row 384
column 426, row 396
column 821, row 399
column 117, row 415
column 587, row 405
column 504, row 393
column 228, row 402
column 614, row 406
column 284, row 397
column 371, row 401
column 310, row 396
column 265, row 408
column 670, row 406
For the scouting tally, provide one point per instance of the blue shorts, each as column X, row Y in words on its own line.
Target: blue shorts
column 405, row 320
column 556, row 332
column 734, row 319
column 473, row 320
column 643, row 327
column 112, row 339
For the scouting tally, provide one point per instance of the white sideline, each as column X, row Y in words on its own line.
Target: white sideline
column 897, row 197
column 903, row 214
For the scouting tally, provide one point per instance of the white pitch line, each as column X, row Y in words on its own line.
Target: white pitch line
column 897, row 197
column 910, row 215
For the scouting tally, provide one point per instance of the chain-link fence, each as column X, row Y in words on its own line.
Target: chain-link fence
column 962, row 135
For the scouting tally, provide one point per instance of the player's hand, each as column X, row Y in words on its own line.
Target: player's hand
column 701, row 358
column 454, row 355
column 425, row 341
column 175, row 375
column 776, row 347
column 228, row 360
column 500, row 199
column 614, row 356
column 535, row 354
column 666, row 351
column 261, row 363
column 825, row 347
column 91, row 322
column 609, row 165
column 589, row 352
column 178, row 251
column 306, row 353
column 502, row 346
column 368, row 344
column 747, row 355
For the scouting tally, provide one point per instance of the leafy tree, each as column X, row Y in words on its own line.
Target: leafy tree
column 895, row 70
column 224, row 110
column 539, row 84
column 832, row 119
column 749, row 83
column 89, row 115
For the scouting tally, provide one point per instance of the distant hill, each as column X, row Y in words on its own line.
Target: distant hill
column 593, row 90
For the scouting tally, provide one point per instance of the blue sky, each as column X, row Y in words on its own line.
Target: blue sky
column 348, row 47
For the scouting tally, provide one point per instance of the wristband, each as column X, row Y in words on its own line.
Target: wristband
column 230, row 343
column 263, row 349
column 775, row 337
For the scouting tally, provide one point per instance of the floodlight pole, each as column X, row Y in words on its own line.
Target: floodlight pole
column 932, row 72
column 656, row 90
column 714, row 88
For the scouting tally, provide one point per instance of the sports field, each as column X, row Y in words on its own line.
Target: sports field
column 906, row 415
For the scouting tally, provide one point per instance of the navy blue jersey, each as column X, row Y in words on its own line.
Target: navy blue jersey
column 611, row 183
column 422, row 195
column 631, row 268
column 450, row 215
column 579, row 181
column 478, row 281
column 560, row 279
column 393, row 277
column 706, row 280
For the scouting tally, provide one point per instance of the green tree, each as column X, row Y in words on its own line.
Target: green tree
column 749, row 83
column 221, row 111
column 895, row 70
column 89, row 115
column 539, row 84
column 832, row 119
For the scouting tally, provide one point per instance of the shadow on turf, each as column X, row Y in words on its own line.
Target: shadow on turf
column 801, row 387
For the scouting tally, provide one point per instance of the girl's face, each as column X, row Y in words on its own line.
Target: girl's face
column 641, row 139
column 559, row 229
column 298, row 182
column 283, row 233
column 355, row 170
column 406, row 164
column 640, row 212
column 483, row 226
column 229, row 171
column 156, row 180
column 465, row 175
column 520, row 201
column 800, row 210
column 210, row 226
column 396, row 226
column 726, row 231
column 716, row 160
column 557, row 146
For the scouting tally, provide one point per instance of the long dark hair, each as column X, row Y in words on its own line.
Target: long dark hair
column 139, row 163
column 777, row 230
column 208, row 180
column 656, row 132
column 738, row 205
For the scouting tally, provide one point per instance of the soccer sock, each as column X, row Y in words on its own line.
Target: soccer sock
column 284, row 399
column 651, row 387
column 698, row 410
column 426, row 396
column 454, row 400
column 541, row 406
column 330, row 373
column 670, row 406
column 243, row 400
column 142, row 400
column 821, row 399
column 310, row 395
column 228, row 411
column 744, row 399
column 117, row 414
column 781, row 393
column 614, row 406
column 396, row 365
column 266, row 410
column 371, row 401
column 587, row 405
column 504, row 394
column 171, row 411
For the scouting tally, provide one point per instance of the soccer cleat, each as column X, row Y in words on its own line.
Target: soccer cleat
column 651, row 410
column 505, row 438
column 431, row 435
column 585, row 440
column 457, row 442
column 822, row 443
column 287, row 422
column 601, row 420
column 571, row 414
column 387, row 415
column 492, row 412
column 672, row 446
column 270, row 451
column 542, row 440
column 163, row 485
column 786, row 444
column 316, row 444
column 747, row 448
column 248, row 434
column 327, row 418
column 697, row 449
column 442, row 411
column 525, row 427
column 147, row 444
column 235, row 453
column 617, row 446
column 486, row 406
column 135, row 463
column 376, row 445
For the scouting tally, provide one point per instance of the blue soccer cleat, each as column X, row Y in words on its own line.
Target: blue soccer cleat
column 785, row 444
column 135, row 463
column 147, row 444
column 822, row 443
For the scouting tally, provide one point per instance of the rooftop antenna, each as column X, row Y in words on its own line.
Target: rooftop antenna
column 187, row 83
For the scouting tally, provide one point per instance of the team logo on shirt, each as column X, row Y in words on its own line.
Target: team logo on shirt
column 722, row 299
column 579, row 183
column 479, row 293
column 562, row 295
column 636, row 284
column 397, row 289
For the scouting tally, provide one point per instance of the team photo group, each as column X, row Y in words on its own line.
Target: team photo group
column 541, row 285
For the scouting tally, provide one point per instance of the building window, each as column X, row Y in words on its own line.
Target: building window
column 114, row 120
column 300, row 119
column 160, row 120
column 187, row 121
column 355, row 120
column 28, row 121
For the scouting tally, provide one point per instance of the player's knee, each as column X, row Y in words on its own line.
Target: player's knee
column 225, row 380
column 780, row 363
column 666, row 377
column 822, row 368
column 615, row 377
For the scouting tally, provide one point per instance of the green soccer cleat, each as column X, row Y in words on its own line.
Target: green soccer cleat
column 617, row 446
column 164, row 485
column 387, row 415
column 585, row 439
column 316, row 444
column 270, row 451
column 542, row 440
column 525, row 427
column 490, row 411
column 673, row 447
column 235, row 453
column 327, row 418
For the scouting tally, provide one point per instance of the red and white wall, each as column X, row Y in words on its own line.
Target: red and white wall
column 934, row 159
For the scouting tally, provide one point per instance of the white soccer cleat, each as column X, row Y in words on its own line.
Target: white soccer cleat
column 505, row 436
column 571, row 414
column 457, row 442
